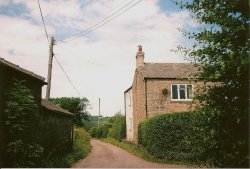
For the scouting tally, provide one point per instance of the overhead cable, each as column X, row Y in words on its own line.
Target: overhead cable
column 67, row 76
column 43, row 21
column 96, row 26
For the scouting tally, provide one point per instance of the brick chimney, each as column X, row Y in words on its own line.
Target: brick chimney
column 139, row 57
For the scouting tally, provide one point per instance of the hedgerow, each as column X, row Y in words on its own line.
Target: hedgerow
column 167, row 136
column 193, row 137
column 118, row 127
column 115, row 128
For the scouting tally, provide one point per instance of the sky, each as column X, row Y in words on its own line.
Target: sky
column 100, row 64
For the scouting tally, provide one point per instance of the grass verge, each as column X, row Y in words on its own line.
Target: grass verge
column 138, row 151
column 81, row 148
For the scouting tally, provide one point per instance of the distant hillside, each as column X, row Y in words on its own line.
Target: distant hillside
column 93, row 121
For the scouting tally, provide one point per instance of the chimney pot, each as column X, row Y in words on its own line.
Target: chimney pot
column 139, row 57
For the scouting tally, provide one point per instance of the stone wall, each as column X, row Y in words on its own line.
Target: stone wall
column 139, row 114
column 158, row 103
column 149, row 92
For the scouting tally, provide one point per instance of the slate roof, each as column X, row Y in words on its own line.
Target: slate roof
column 16, row 67
column 52, row 107
column 167, row 70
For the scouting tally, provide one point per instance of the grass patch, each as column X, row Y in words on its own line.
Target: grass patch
column 138, row 151
column 81, row 148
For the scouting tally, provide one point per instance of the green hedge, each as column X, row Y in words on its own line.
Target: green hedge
column 118, row 127
column 100, row 132
column 115, row 128
column 167, row 136
column 193, row 137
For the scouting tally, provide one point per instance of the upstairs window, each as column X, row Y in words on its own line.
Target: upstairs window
column 182, row 92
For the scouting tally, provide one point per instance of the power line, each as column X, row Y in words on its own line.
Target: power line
column 67, row 77
column 85, row 32
column 105, row 18
column 43, row 21
column 54, row 55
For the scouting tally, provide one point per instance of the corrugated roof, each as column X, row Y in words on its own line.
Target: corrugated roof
column 167, row 70
column 16, row 67
column 50, row 106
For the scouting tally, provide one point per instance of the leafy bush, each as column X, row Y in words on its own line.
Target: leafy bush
column 193, row 137
column 101, row 131
column 21, row 117
column 217, row 141
column 118, row 127
column 93, row 121
column 93, row 131
column 81, row 148
column 166, row 136
column 115, row 128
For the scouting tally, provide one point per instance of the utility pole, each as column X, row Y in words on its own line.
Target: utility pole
column 99, row 112
column 52, row 43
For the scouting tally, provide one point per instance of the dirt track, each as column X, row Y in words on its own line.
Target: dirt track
column 104, row 155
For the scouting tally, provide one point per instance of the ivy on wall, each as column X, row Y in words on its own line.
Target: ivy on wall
column 21, row 123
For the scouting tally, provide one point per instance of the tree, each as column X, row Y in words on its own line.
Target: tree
column 221, row 49
column 117, row 126
column 21, row 124
column 75, row 105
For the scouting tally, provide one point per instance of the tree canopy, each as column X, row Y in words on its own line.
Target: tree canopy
column 75, row 105
column 221, row 49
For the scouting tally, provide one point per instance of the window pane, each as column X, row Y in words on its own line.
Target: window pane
column 189, row 91
column 182, row 92
column 174, row 92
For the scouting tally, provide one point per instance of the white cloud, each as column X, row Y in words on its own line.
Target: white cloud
column 102, row 63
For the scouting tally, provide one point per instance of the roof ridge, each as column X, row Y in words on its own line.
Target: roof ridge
column 17, row 67
column 59, row 109
column 167, row 70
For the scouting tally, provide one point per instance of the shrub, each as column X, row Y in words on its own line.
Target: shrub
column 105, row 129
column 81, row 145
column 166, row 136
column 193, row 137
column 93, row 131
column 115, row 128
column 20, row 123
column 217, row 142
column 118, row 127
column 101, row 131
column 81, row 148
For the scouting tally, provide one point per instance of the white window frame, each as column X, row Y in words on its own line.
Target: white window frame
column 178, row 92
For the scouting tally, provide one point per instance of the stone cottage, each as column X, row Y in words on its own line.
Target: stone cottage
column 157, row 88
column 48, row 112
